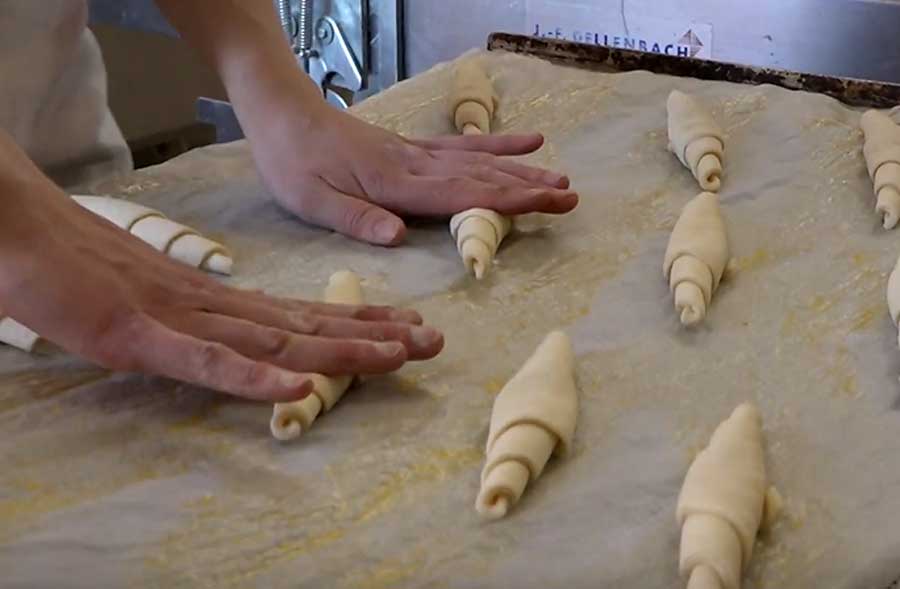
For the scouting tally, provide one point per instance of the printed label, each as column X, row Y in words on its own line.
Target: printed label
column 590, row 24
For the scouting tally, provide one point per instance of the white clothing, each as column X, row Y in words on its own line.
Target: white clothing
column 53, row 91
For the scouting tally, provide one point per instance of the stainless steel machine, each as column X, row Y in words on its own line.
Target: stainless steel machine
column 354, row 48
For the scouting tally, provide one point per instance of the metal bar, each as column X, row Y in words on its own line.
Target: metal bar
column 220, row 114
column 848, row 90
column 142, row 15
column 386, row 47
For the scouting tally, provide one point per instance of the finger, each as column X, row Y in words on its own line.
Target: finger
column 231, row 301
column 291, row 314
column 431, row 195
column 471, row 169
column 298, row 353
column 527, row 173
column 350, row 216
column 359, row 312
column 495, row 144
column 157, row 349
column 365, row 312
column 421, row 342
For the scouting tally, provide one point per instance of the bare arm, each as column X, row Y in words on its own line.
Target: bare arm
column 100, row 293
column 336, row 171
column 244, row 42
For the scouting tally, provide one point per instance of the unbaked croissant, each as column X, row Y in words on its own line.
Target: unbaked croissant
column 174, row 239
column 882, row 153
column 290, row 420
column 533, row 416
column 478, row 233
column 722, row 503
column 696, row 257
column 893, row 295
column 696, row 139
column 13, row 333
column 472, row 99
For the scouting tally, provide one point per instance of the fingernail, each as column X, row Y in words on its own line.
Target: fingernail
column 553, row 177
column 424, row 337
column 386, row 231
column 390, row 349
column 301, row 322
column 291, row 380
column 406, row 316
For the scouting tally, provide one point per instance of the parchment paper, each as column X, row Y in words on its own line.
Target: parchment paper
column 115, row 480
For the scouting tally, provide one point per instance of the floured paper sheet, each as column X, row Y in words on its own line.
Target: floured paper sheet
column 111, row 481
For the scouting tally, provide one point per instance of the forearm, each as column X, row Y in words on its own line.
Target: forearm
column 22, row 188
column 244, row 42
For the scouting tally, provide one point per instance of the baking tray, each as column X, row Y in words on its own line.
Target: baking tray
column 851, row 91
column 854, row 92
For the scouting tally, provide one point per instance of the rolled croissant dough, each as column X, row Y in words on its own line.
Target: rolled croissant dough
column 882, row 153
column 723, row 502
column 478, row 233
column 696, row 256
column 893, row 295
column 174, row 239
column 290, row 420
column 13, row 333
column 472, row 98
column 696, row 139
column 534, row 415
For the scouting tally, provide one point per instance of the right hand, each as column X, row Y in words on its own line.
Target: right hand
column 102, row 294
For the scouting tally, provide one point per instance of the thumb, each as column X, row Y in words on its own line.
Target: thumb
column 351, row 216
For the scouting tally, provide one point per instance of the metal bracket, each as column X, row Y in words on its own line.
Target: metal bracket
column 330, row 40
column 334, row 62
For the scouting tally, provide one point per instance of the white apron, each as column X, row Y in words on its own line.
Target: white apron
column 53, row 91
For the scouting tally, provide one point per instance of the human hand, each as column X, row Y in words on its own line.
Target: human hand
column 100, row 293
column 336, row 171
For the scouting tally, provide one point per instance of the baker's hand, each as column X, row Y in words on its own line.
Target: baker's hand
column 336, row 171
column 101, row 293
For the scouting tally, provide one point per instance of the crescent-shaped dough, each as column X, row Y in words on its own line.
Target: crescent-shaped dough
column 882, row 153
column 478, row 233
column 893, row 295
column 177, row 241
column 696, row 256
column 290, row 420
column 13, row 333
column 723, row 502
column 533, row 416
column 472, row 99
column 696, row 139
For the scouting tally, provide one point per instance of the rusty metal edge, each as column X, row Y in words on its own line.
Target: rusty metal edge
column 850, row 91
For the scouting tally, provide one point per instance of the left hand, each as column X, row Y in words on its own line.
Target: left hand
column 336, row 171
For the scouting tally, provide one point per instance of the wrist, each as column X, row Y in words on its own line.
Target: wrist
column 25, row 193
column 279, row 110
column 278, row 99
